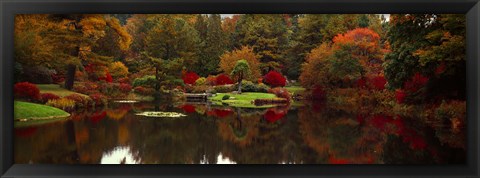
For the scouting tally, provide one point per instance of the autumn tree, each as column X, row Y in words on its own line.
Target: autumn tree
column 228, row 26
column 212, row 43
column 266, row 34
column 170, row 44
column 314, row 29
column 315, row 70
column 229, row 59
column 362, row 45
column 74, row 40
column 240, row 72
column 434, row 46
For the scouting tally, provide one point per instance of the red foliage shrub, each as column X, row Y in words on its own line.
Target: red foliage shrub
column 98, row 116
column 188, row 108
column 90, row 68
column 123, row 80
column 125, row 87
column 378, row 82
column 99, row 99
column 80, row 101
column 272, row 115
column 211, row 80
column 108, row 78
column 413, row 85
column 440, row 69
column 380, row 121
column 260, row 80
column 26, row 90
column 362, row 83
column 58, row 78
column 275, row 79
column 318, row 93
column 48, row 96
column 400, row 95
column 280, row 92
column 190, row 78
column 223, row 79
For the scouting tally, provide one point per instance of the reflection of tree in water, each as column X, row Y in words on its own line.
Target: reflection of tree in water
column 46, row 145
column 310, row 134
column 179, row 140
column 337, row 137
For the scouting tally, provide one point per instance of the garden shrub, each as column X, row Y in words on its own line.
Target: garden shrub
column 26, row 90
column 415, row 83
column 62, row 103
column 226, row 97
column 99, row 99
column 118, row 69
column 197, row 89
column 451, row 110
column 45, row 97
column 123, row 80
column 86, row 87
column 248, row 86
column 400, row 96
column 211, row 80
column 280, row 92
column 275, row 79
column 143, row 91
column 80, row 101
column 37, row 74
column 145, row 81
column 125, row 87
column 362, row 82
column 107, row 78
column 223, row 79
column 57, row 77
column 262, row 88
column 200, row 81
column 378, row 82
column 190, row 78
column 224, row 88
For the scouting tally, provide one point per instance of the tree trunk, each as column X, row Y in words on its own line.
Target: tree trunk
column 70, row 77
column 71, row 69
column 240, row 85
column 157, row 82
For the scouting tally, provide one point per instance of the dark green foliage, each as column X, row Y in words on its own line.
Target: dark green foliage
column 212, row 43
column 145, row 81
column 226, row 97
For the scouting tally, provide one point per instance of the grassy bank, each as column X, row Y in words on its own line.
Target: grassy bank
column 25, row 111
column 56, row 89
column 295, row 89
column 244, row 100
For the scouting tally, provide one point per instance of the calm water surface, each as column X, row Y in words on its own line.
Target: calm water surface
column 303, row 134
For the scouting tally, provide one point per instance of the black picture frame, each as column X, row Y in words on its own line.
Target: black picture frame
column 9, row 8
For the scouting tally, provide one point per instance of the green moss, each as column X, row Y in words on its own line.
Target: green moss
column 29, row 113
column 56, row 89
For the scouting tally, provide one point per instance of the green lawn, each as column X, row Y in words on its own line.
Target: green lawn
column 295, row 89
column 31, row 111
column 56, row 89
column 244, row 100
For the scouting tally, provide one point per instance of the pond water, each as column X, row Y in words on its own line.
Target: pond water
column 310, row 133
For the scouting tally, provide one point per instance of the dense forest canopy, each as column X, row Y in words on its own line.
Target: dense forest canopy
column 351, row 46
